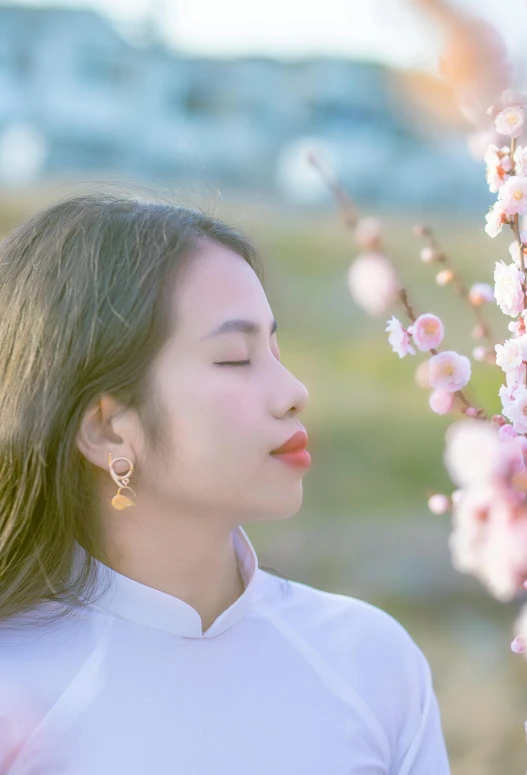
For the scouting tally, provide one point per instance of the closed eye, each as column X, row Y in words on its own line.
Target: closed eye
column 233, row 363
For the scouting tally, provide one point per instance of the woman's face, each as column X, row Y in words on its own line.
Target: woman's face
column 222, row 421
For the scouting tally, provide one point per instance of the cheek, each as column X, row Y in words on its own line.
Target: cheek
column 207, row 413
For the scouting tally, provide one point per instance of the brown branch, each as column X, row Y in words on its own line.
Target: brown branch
column 459, row 286
column 350, row 216
column 403, row 296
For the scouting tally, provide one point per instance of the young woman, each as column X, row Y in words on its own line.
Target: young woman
column 142, row 396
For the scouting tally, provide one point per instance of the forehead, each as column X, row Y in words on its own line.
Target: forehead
column 218, row 284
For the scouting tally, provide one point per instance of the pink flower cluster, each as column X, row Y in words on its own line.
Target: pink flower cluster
column 489, row 536
column 499, row 164
column 427, row 333
column 507, row 170
column 508, row 288
column 447, row 372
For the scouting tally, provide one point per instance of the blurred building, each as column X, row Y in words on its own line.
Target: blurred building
column 101, row 103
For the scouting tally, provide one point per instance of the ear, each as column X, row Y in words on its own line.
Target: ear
column 106, row 426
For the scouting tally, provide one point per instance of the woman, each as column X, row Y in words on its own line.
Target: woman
column 137, row 424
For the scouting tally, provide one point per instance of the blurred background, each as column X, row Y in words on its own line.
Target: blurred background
column 216, row 105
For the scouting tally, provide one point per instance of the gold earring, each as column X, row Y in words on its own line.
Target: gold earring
column 121, row 501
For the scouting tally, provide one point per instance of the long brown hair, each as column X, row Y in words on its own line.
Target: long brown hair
column 84, row 310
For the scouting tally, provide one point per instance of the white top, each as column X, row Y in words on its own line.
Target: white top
column 289, row 680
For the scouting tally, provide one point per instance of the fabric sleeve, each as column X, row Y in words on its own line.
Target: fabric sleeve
column 421, row 745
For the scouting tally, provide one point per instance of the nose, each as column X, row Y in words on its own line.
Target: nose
column 299, row 398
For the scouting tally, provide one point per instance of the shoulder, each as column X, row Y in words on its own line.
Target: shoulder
column 338, row 623
column 39, row 659
column 367, row 649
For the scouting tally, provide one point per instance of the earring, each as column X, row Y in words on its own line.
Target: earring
column 121, row 501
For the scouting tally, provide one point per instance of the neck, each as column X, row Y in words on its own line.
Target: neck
column 190, row 557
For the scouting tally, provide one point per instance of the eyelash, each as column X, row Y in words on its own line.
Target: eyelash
column 234, row 363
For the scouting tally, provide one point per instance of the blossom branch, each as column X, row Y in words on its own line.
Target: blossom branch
column 403, row 295
column 346, row 205
column 433, row 252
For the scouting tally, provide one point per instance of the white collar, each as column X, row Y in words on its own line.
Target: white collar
column 139, row 603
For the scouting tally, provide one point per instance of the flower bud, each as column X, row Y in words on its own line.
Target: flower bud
column 499, row 420
column 506, row 431
column 368, row 232
column 439, row 504
column 441, row 401
column 480, row 293
column 471, row 411
column 478, row 332
column 429, row 255
column 518, row 645
column 420, row 230
column 479, row 353
column 444, row 277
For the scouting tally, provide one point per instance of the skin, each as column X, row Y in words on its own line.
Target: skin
column 221, row 423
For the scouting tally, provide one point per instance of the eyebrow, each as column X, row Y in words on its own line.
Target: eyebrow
column 245, row 326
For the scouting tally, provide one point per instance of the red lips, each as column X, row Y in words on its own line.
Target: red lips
column 297, row 441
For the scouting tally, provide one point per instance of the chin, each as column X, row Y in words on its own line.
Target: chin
column 288, row 507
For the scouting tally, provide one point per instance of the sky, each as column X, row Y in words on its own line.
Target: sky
column 391, row 31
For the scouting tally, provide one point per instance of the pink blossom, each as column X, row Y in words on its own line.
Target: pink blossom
column 499, row 164
column 507, row 394
column 373, row 282
column 518, row 645
column 498, row 420
column 427, row 332
column 368, row 232
column 479, row 353
column 474, row 452
column 469, row 518
column 515, row 450
column 495, row 218
column 429, row 255
column 444, row 277
column 516, row 410
column 518, row 326
column 489, row 539
column 449, row 371
column 399, row 338
column 439, row 504
column 508, row 288
column 514, row 250
column 513, row 195
column 515, row 377
column 504, row 552
column 510, row 121
column 441, row 401
column 511, row 355
column 520, row 160
column 480, row 293
column 506, row 432
column 520, row 629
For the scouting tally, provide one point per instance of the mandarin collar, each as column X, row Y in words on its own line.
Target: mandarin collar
column 136, row 602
